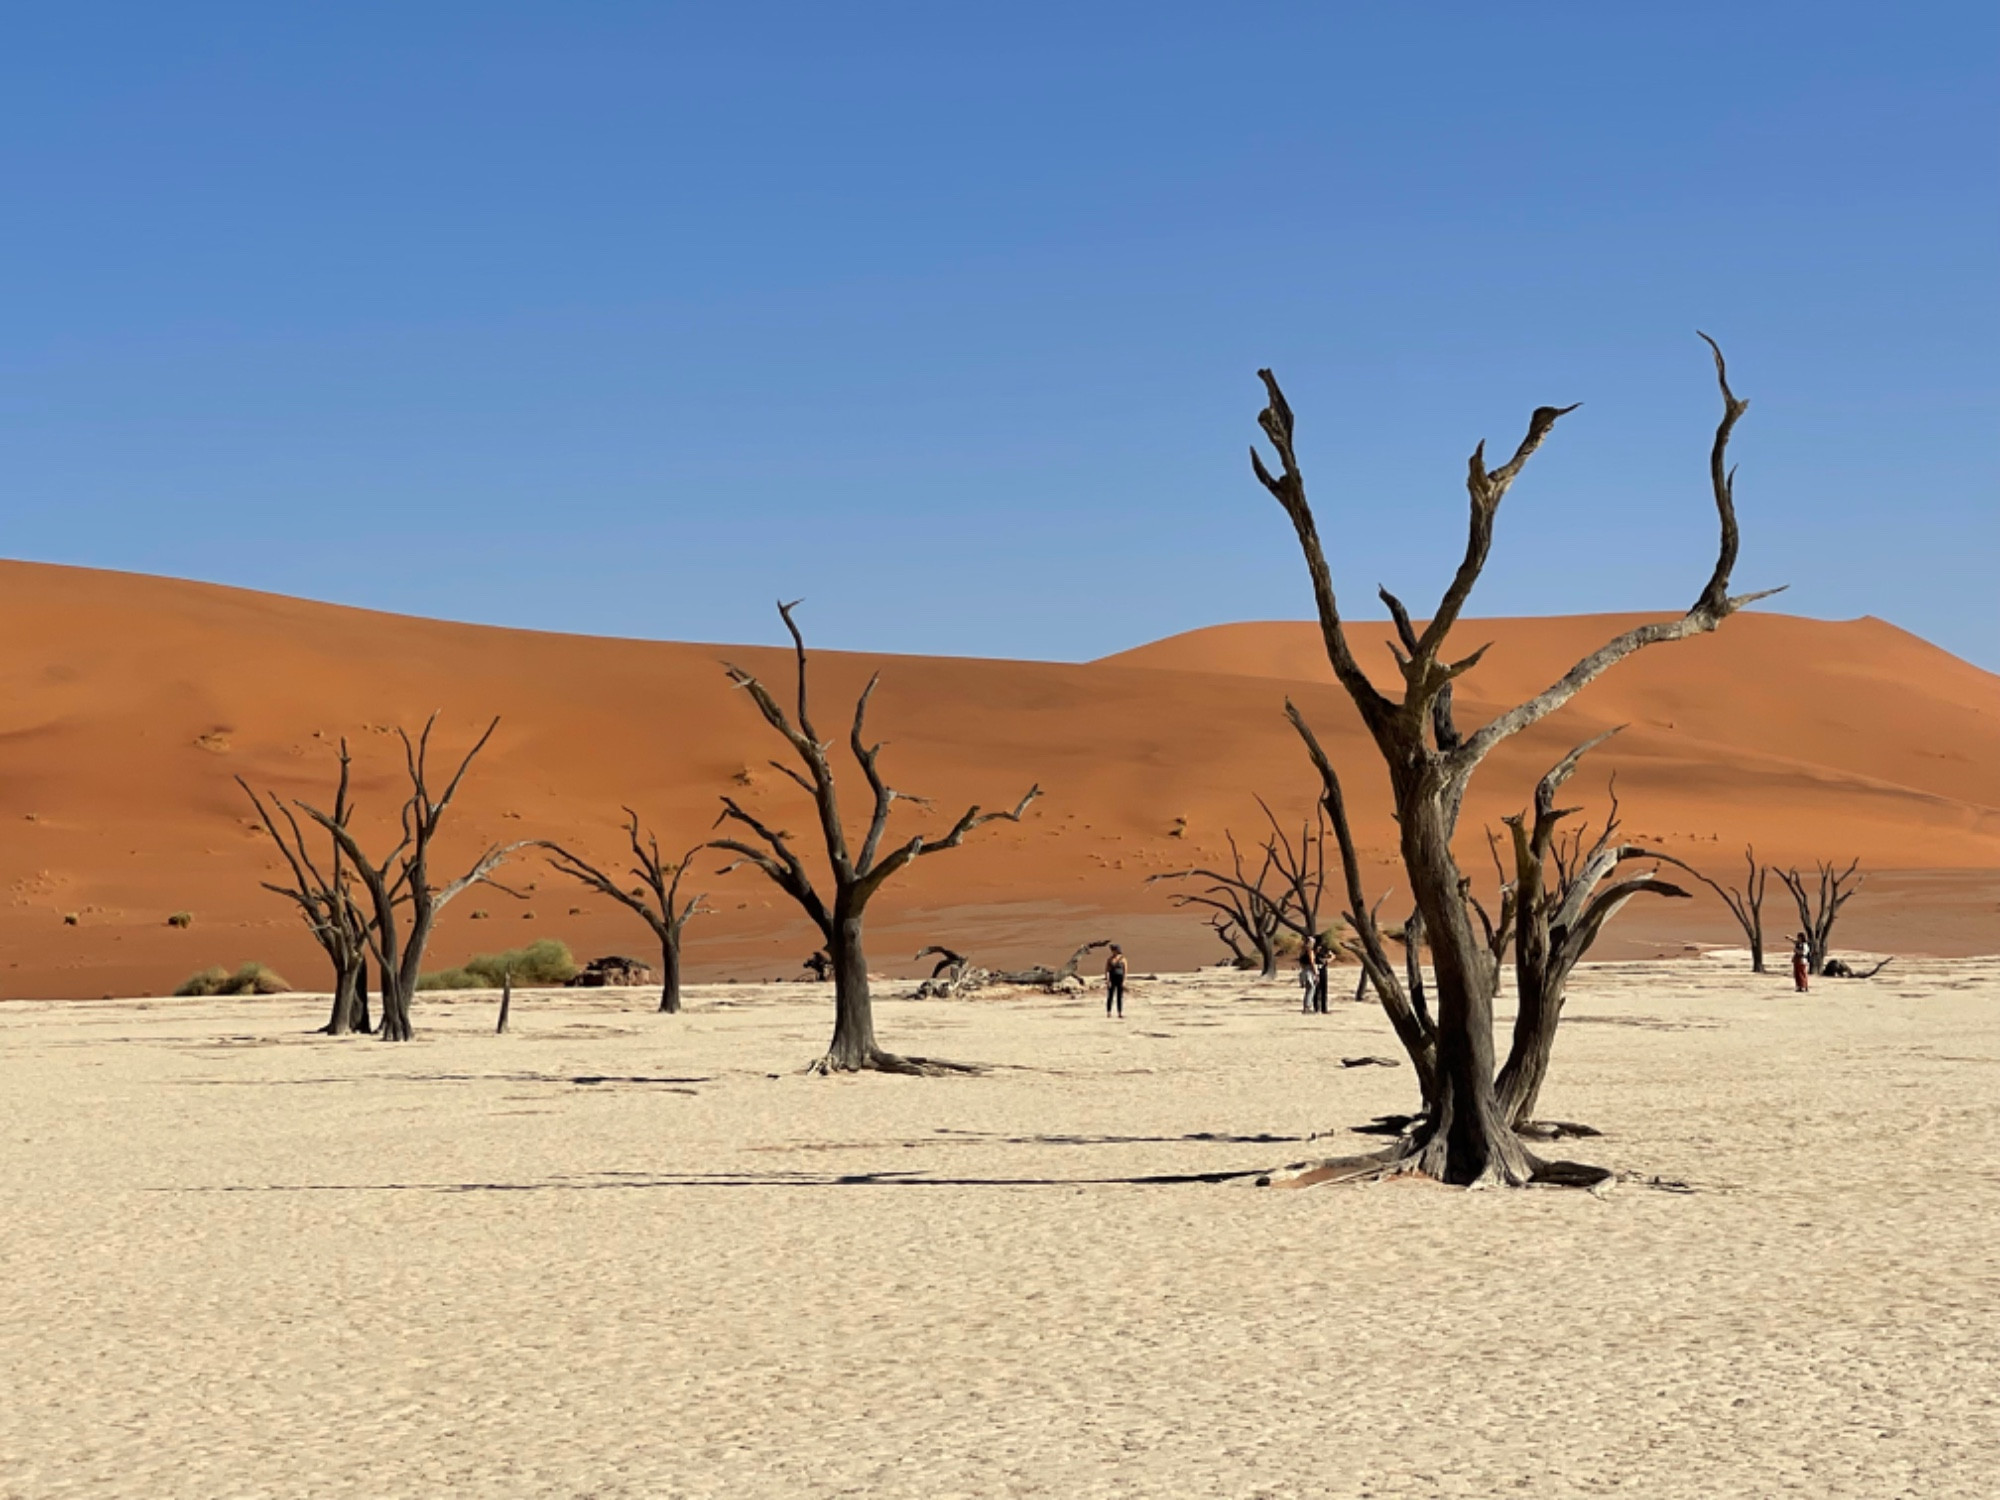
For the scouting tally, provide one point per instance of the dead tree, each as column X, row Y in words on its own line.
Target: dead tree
column 856, row 877
column 1820, row 908
column 1238, row 899
column 1557, row 919
column 399, row 885
column 1746, row 904
column 656, row 900
column 1300, row 869
column 326, row 899
column 1464, row 1136
column 1043, row 975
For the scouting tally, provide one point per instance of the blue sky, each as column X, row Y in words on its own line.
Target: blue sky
column 628, row 319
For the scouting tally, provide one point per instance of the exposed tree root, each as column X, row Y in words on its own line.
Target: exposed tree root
column 1369, row 1062
column 877, row 1061
column 1420, row 1158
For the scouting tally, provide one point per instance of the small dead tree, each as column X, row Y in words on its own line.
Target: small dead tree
column 1300, row 868
column 1046, row 977
column 1238, row 899
column 1819, row 908
column 326, row 900
column 1745, row 904
column 656, row 900
column 856, row 876
column 1557, row 919
column 400, row 883
column 1464, row 1136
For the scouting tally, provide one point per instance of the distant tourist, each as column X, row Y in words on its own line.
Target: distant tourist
column 1308, row 979
column 1322, row 960
column 1801, row 962
column 1114, row 982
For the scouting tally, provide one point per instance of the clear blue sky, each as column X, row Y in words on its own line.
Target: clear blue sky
column 630, row 318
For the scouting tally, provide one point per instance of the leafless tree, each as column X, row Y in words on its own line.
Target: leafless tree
column 1819, row 907
column 326, row 899
column 1253, row 904
column 1556, row 921
column 1465, row 1136
column 1745, row 904
column 1046, row 977
column 1300, row 868
column 399, row 885
column 856, row 876
column 656, row 900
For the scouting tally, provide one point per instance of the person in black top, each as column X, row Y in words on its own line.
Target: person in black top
column 1114, row 982
column 1322, row 957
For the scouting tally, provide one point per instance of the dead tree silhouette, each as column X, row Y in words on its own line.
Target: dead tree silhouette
column 1464, row 1135
column 857, row 877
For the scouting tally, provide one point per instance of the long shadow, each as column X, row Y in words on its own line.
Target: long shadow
column 585, row 1079
column 734, row 1180
column 992, row 1138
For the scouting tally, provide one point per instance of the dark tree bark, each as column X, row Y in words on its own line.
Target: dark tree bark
column 1465, row 1135
column 326, row 900
column 664, row 912
column 400, row 883
column 506, row 1002
column 1557, row 921
column 1746, row 904
column 856, row 876
column 1820, row 908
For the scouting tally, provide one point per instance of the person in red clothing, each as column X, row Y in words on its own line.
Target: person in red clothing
column 1114, row 982
column 1801, row 962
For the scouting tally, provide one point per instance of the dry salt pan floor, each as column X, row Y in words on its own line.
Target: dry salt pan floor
column 618, row 1254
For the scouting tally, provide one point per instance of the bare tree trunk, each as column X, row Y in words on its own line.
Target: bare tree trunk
column 670, row 973
column 1466, row 1140
column 853, row 1046
column 1267, row 953
column 349, row 995
column 506, row 1002
column 363, row 1022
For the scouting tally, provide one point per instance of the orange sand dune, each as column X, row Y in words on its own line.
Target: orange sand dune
column 131, row 703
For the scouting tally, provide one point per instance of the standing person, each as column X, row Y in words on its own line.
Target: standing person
column 1308, row 979
column 1322, row 957
column 1801, row 962
column 1114, row 982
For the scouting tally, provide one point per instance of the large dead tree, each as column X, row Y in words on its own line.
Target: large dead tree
column 656, row 900
column 1746, row 903
column 857, row 876
column 325, row 897
column 1560, row 906
column 1819, row 906
column 1465, row 1135
column 399, row 885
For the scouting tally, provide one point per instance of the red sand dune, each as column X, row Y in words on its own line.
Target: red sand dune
column 130, row 703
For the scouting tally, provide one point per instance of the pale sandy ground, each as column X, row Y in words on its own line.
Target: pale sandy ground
column 614, row 1254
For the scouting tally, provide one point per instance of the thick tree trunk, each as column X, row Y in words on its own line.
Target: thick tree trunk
column 347, row 979
column 1267, row 954
column 1466, row 1139
column 1520, row 1083
column 853, row 1045
column 670, row 974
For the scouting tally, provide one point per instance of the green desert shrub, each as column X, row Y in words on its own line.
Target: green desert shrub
column 251, row 979
column 544, row 961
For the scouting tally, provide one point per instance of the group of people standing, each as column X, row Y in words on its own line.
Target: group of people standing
column 1315, row 958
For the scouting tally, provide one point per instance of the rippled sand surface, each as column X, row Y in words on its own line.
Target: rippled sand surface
column 617, row 1254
